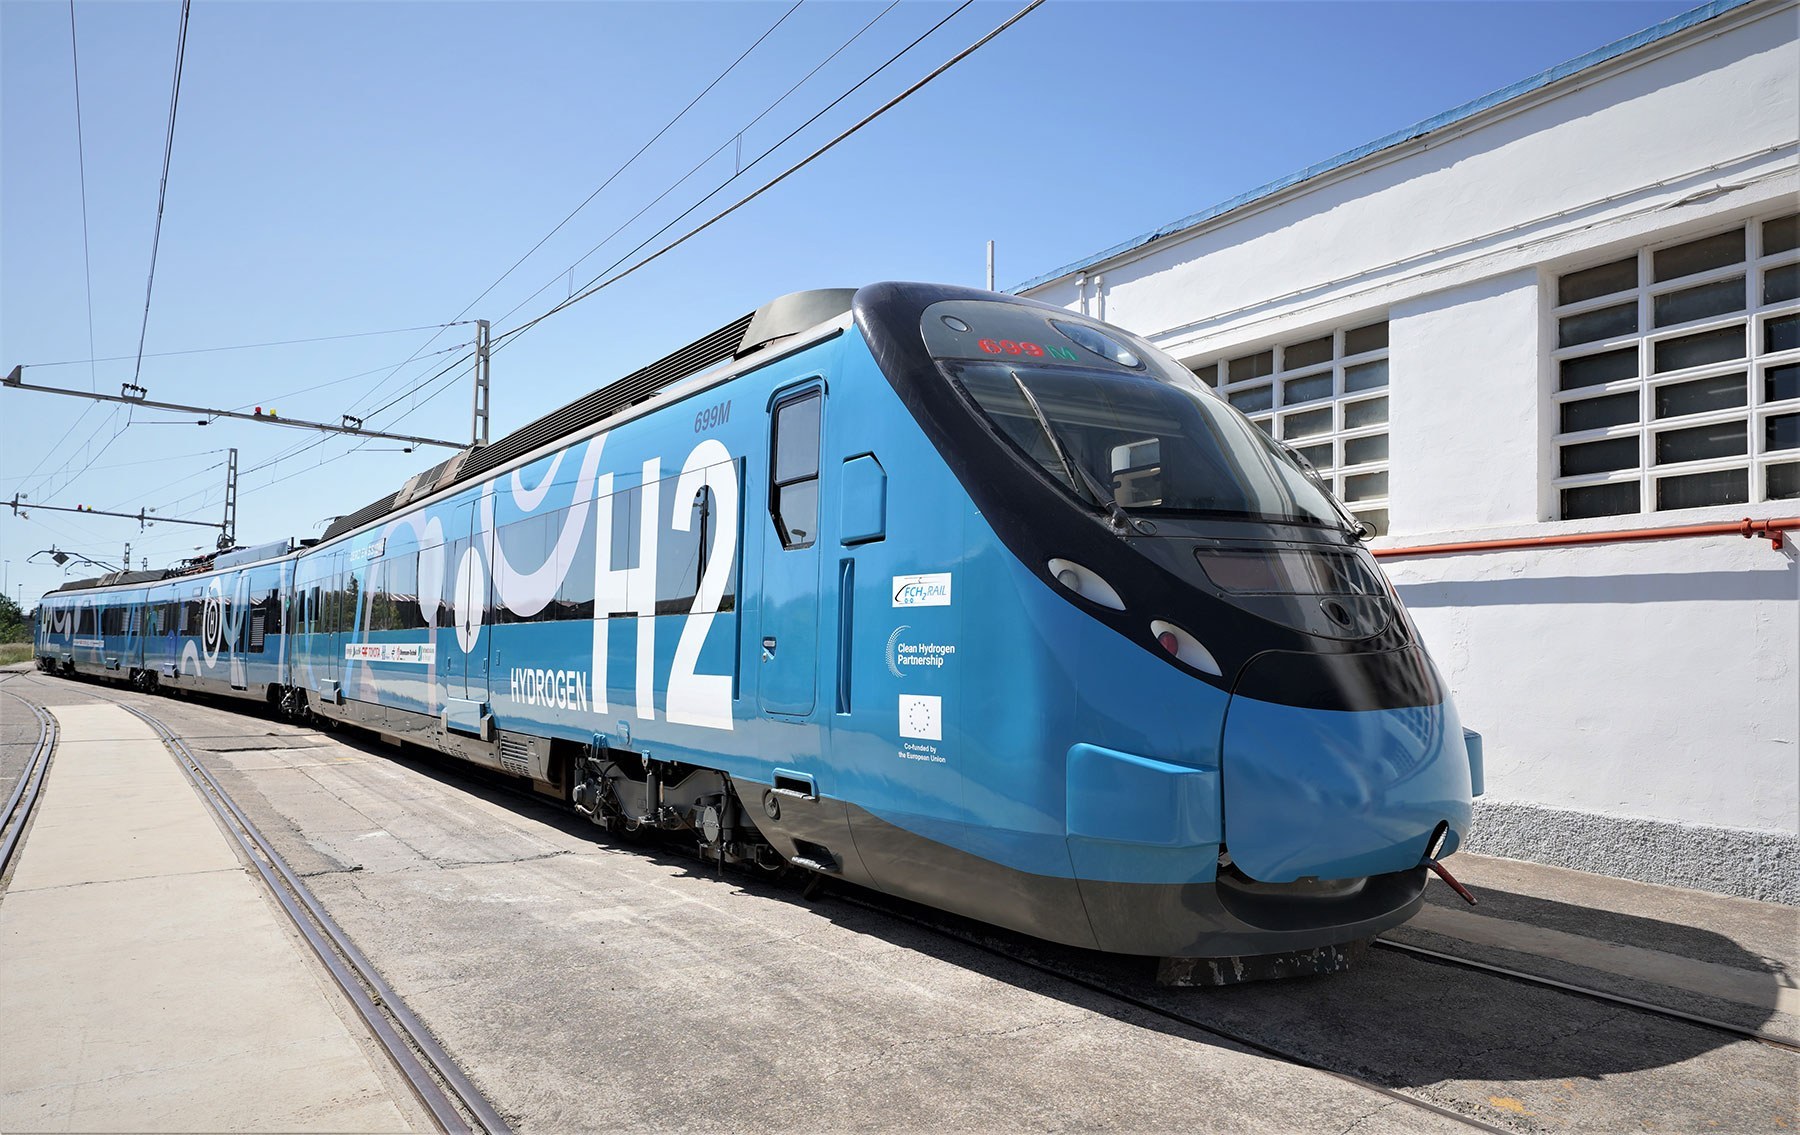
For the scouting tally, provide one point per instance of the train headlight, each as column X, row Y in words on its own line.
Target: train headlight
column 1085, row 583
column 1184, row 647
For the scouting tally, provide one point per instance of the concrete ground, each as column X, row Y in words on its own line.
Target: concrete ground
column 18, row 735
column 587, row 983
column 148, row 984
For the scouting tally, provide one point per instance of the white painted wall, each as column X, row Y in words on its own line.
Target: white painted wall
column 1656, row 680
column 1465, row 408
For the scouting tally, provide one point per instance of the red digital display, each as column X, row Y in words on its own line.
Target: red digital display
column 1011, row 347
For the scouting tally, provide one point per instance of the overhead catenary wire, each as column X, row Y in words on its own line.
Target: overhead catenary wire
column 741, row 169
column 146, row 461
column 347, row 378
column 80, row 455
column 253, row 346
column 138, row 497
column 87, row 267
column 598, row 284
column 57, row 447
column 628, row 162
column 155, row 244
column 372, row 392
column 162, row 192
column 604, row 280
column 448, row 375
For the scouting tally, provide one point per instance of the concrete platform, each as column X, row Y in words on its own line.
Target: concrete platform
column 587, row 983
column 147, row 982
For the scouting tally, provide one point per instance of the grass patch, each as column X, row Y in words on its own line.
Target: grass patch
column 11, row 652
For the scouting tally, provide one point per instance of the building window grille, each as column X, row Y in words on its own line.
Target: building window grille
column 1678, row 375
column 1325, row 395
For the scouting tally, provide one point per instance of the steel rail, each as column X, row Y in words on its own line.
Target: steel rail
column 1442, row 958
column 1151, row 1007
column 25, row 793
column 434, row 1076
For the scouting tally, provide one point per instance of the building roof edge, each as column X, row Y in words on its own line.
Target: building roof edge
column 1580, row 63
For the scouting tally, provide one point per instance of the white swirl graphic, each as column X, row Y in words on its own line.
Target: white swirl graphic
column 212, row 622
column 525, row 593
column 529, row 499
column 471, row 588
column 431, row 569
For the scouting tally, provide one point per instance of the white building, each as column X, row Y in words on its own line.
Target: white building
column 1570, row 307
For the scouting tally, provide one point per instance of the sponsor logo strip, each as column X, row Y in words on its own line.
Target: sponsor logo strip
column 417, row 653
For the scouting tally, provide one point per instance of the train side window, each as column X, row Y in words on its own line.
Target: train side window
column 381, row 604
column 575, row 595
column 682, row 556
column 626, row 547
column 403, row 591
column 794, row 471
column 454, row 551
column 682, row 561
column 85, row 624
column 528, row 543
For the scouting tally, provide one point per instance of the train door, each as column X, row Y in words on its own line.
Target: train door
column 334, row 616
column 788, row 675
column 462, row 650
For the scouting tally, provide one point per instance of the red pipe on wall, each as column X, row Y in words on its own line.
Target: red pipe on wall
column 1770, row 530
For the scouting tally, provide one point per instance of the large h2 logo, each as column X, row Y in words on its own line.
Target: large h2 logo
column 693, row 698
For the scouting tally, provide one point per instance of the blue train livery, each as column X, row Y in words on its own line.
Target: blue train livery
column 941, row 592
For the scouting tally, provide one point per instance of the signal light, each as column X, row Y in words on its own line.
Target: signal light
column 1184, row 647
column 1085, row 583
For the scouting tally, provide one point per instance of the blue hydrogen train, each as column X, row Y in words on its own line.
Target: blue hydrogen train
column 946, row 593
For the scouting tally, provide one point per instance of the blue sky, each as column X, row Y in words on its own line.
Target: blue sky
column 349, row 168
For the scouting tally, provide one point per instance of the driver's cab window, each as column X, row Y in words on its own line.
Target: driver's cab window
column 794, row 470
column 1137, row 473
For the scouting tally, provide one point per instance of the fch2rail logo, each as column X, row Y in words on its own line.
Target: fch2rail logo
column 922, row 590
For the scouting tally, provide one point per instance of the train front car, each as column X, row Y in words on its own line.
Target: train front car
column 1195, row 721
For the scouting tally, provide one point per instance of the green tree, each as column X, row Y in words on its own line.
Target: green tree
column 14, row 626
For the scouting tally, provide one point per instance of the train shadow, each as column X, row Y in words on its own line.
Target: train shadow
column 1399, row 1020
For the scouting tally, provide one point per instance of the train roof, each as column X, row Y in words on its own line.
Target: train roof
column 776, row 320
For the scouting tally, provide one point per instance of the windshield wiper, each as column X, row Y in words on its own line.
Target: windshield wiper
column 1121, row 520
column 1357, row 529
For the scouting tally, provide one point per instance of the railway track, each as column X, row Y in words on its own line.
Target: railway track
column 439, row 1083
column 1439, row 957
column 1143, row 1005
column 891, row 909
column 25, row 793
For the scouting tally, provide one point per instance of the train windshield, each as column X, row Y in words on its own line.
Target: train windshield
column 1109, row 416
column 1154, row 446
